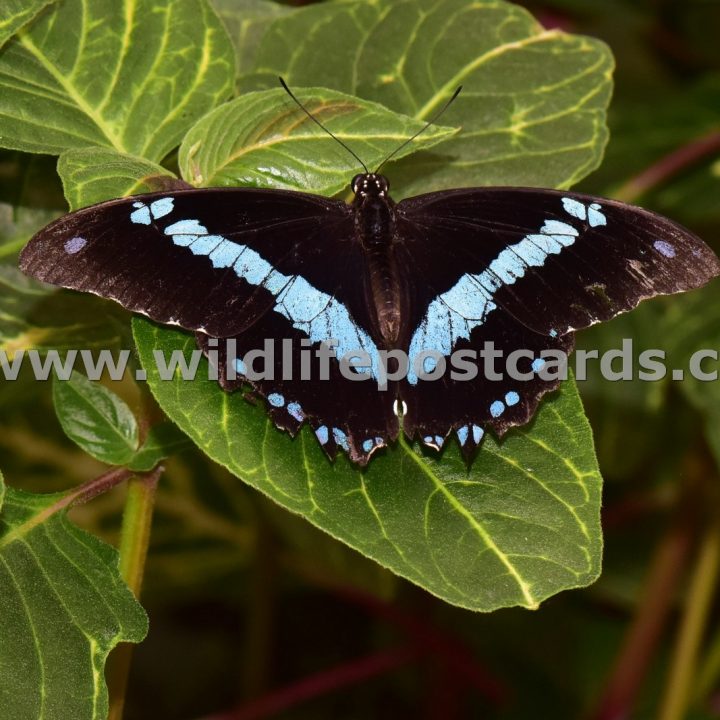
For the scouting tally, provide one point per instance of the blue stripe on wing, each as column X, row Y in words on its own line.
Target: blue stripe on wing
column 319, row 315
column 457, row 312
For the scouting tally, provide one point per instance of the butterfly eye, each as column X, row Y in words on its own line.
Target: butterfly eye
column 383, row 183
column 356, row 183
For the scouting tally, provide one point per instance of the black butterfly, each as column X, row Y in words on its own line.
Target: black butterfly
column 446, row 271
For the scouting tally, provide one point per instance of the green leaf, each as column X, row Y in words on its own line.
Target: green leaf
column 91, row 175
column 96, row 419
column 137, row 74
column 36, row 316
column 262, row 139
column 64, row 607
column 246, row 22
column 289, row 46
column 17, row 226
column 30, row 197
column 15, row 13
column 532, row 110
column 162, row 441
column 519, row 526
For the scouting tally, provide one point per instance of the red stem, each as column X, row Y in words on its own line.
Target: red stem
column 319, row 684
column 668, row 166
column 456, row 656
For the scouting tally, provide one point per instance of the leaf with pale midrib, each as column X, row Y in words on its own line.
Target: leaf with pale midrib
column 247, row 141
column 533, row 105
column 15, row 13
column 137, row 74
column 246, row 21
column 94, row 174
column 64, row 607
column 519, row 526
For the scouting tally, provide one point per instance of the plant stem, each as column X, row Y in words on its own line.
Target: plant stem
column 709, row 672
column 351, row 673
column 702, row 587
column 134, row 543
column 645, row 632
column 668, row 166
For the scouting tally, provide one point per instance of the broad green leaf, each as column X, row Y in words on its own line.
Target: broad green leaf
column 30, row 197
column 162, row 441
column 15, row 13
column 533, row 105
column 246, row 22
column 519, row 526
column 36, row 316
column 263, row 139
column 17, row 226
column 96, row 419
column 64, row 607
column 91, row 175
column 135, row 76
column 289, row 46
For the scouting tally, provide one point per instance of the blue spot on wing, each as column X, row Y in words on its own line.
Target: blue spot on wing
column 161, row 208
column 225, row 254
column 144, row 215
column 574, row 208
column 276, row 399
column 75, row 245
column 141, row 216
column 497, row 408
column 186, row 227
column 664, row 248
column 595, row 217
column 341, row 439
column 512, row 398
column 478, row 433
column 296, row 411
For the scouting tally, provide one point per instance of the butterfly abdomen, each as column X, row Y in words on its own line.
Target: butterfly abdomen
column 375, row 223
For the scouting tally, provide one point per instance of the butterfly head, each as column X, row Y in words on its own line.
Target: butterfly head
column 370, row 185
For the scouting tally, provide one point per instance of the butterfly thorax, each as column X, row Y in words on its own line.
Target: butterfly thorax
column 375, row 229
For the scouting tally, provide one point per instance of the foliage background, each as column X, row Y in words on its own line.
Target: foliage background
column 252, row 607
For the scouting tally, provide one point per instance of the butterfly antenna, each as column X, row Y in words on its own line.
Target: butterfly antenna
column 431, row 121
column 319, row 124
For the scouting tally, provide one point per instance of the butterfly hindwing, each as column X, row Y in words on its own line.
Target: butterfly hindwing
column 493, row 400
column 352, row 415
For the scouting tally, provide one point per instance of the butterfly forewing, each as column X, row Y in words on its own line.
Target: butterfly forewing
column 556, row 261
column 175, row 257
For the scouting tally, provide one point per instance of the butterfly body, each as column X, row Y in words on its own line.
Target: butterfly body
column 375, row 228
column 434, row 277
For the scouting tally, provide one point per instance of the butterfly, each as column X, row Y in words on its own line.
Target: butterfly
column 425, row 279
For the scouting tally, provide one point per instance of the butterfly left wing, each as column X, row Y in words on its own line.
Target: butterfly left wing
column 238, row 263
column 524, row 268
